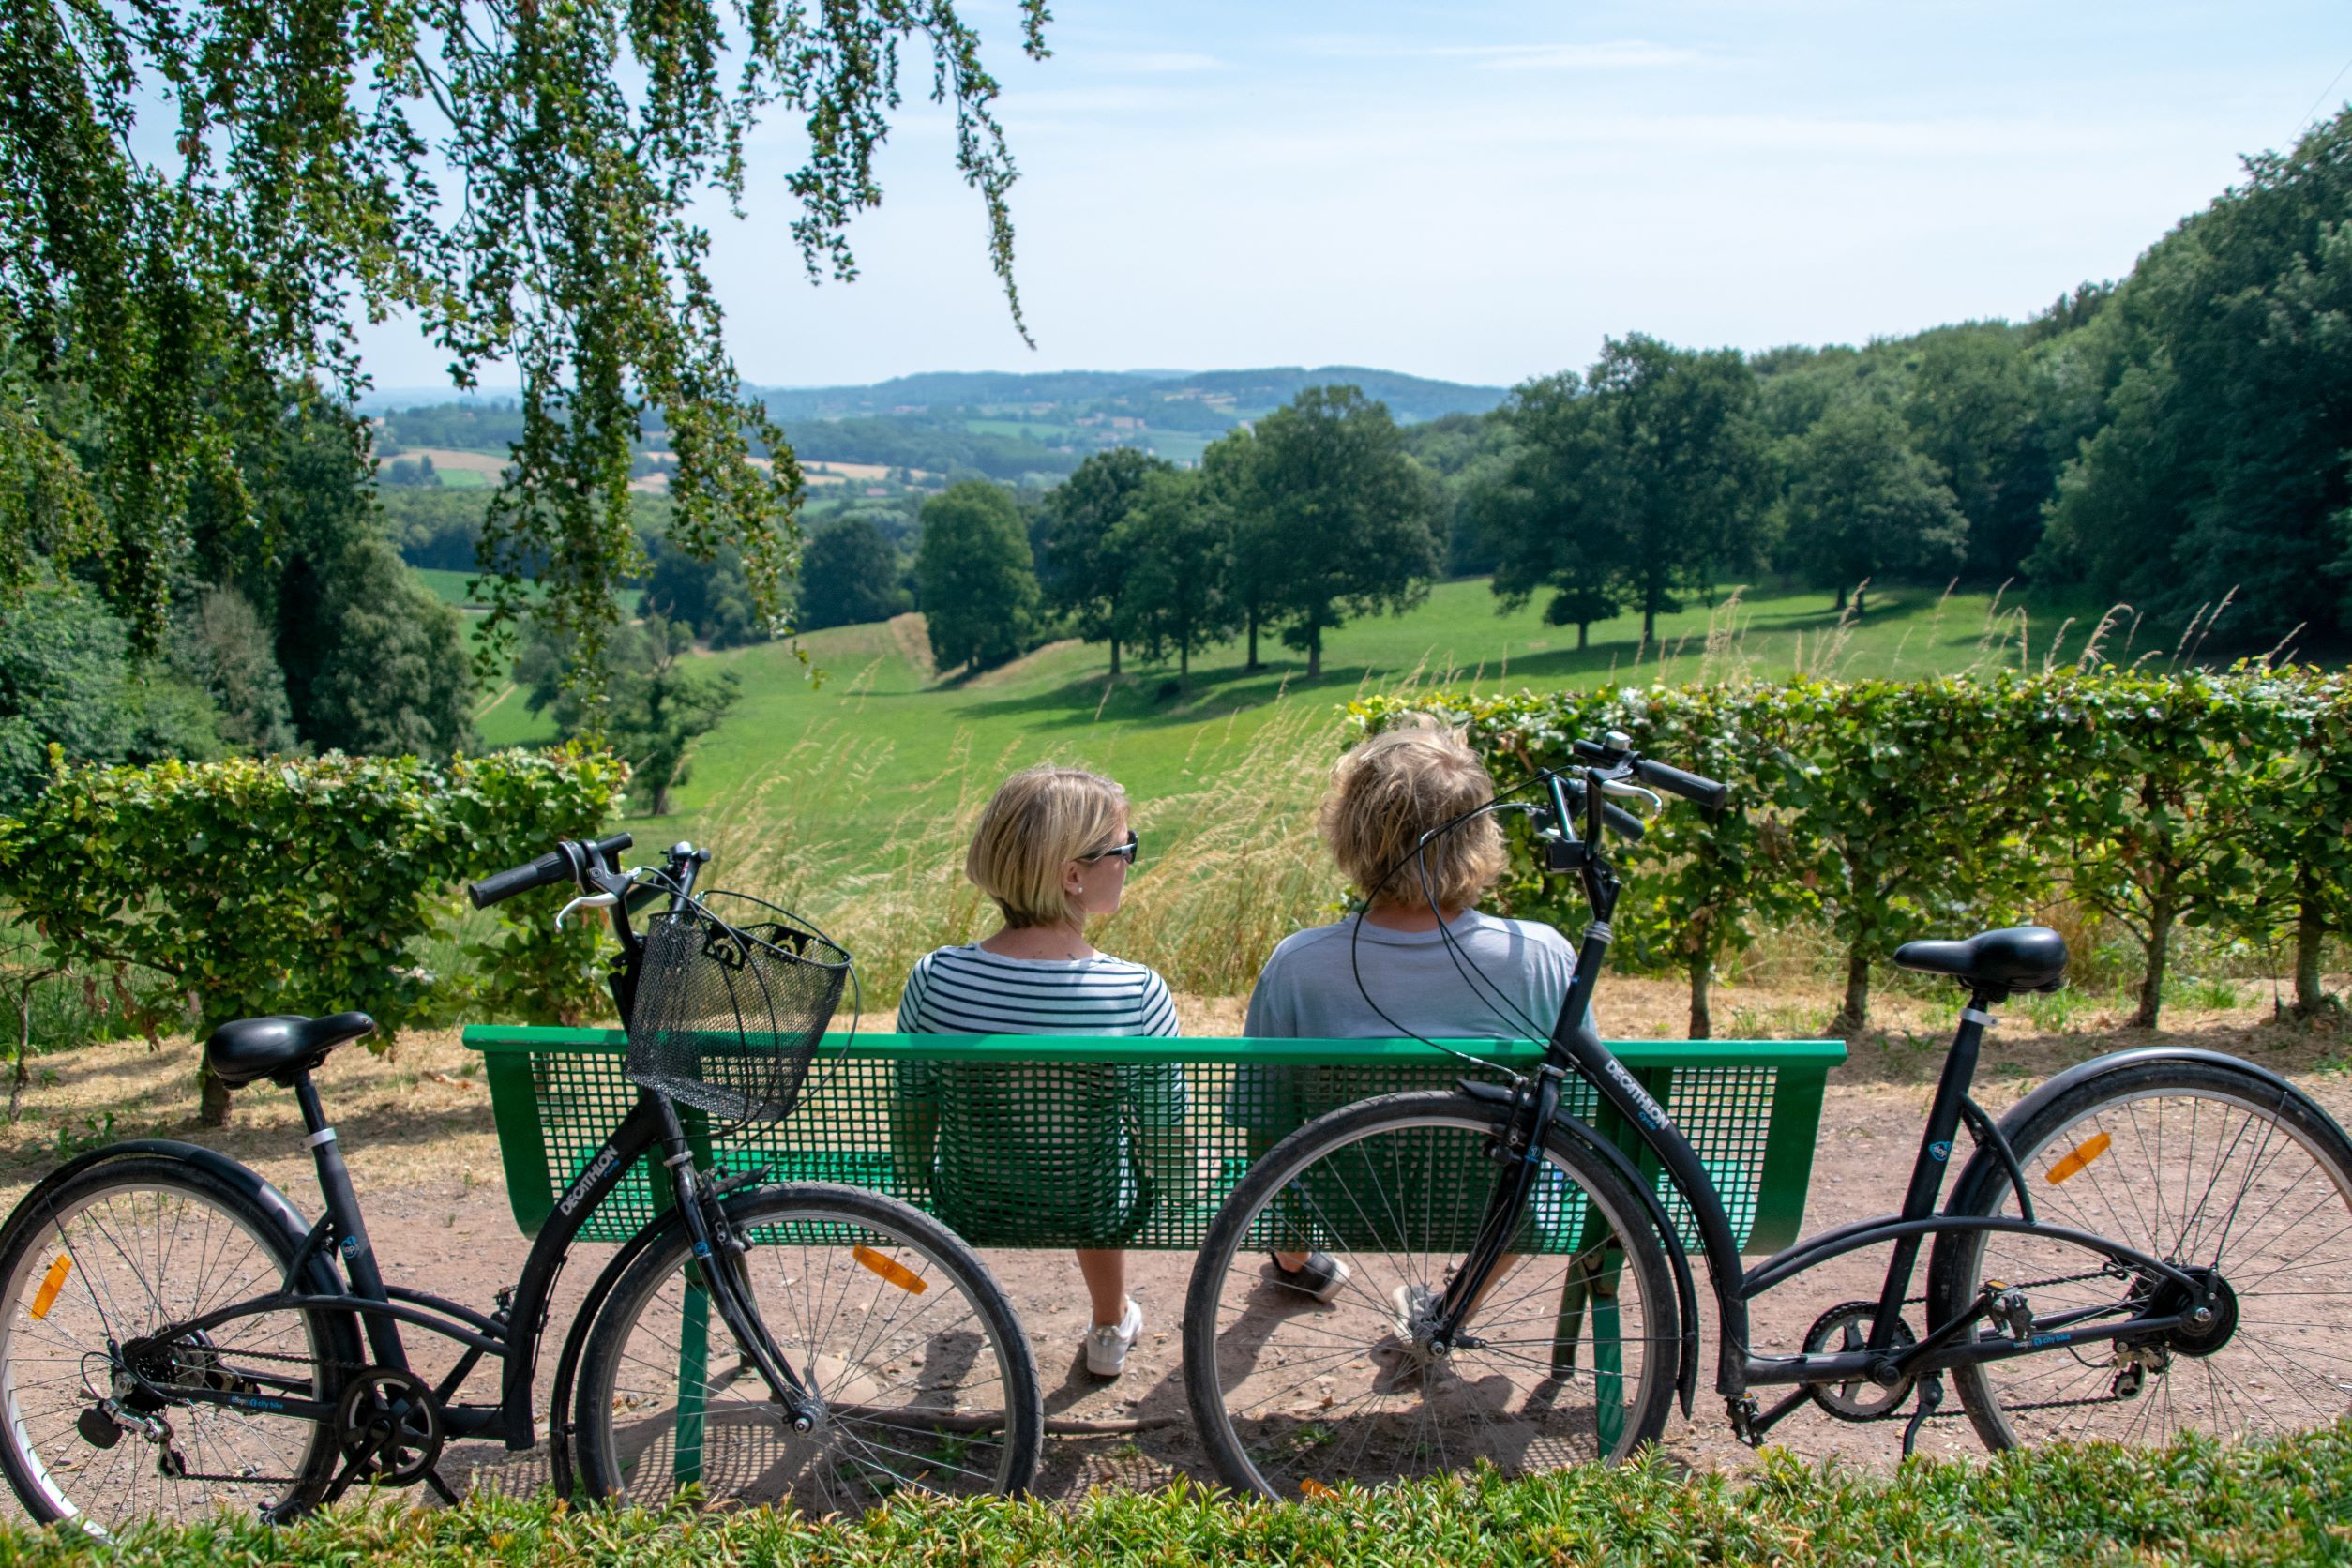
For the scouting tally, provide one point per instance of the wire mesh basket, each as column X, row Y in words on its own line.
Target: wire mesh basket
column 733, row 995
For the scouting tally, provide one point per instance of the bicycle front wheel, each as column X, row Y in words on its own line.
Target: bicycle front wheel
column 97, row 1421
column 2214, row 1168
column 1568, row 1357
column 885, row 1315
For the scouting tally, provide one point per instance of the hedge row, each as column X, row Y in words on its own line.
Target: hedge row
column 204, row 892
column 2193, row 1501
column 1889, row 810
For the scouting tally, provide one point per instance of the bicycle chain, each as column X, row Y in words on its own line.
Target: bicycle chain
column 2036, row 1284
column 333, row 1362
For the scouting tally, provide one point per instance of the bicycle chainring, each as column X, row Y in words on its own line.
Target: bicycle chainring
column 1842, row 1330
column 388, row 1425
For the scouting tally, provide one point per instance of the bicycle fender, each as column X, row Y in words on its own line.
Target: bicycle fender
column 1976, row 1171
column 1678, row 1257
column 559, row 1411
column 321, row 1278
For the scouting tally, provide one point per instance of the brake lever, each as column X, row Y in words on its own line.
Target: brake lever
column 1620, row 787
column 586, row 900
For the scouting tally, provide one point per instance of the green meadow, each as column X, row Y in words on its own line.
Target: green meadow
column 865, row 737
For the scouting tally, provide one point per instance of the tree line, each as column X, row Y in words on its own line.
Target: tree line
column 2181, row 441
column 1314, row 516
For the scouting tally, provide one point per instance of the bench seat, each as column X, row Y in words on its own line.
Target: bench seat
column 1751, row 1107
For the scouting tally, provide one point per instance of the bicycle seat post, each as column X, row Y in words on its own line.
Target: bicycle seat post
column 346, row 1228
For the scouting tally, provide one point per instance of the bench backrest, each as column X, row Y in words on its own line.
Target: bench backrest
column 1082, row 1141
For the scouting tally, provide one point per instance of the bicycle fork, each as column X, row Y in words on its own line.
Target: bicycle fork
column 718, row 1259
column 1521, row 1154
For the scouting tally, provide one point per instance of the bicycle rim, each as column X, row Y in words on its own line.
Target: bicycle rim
column 896, row 1326
column 2209, row 1171
column 120, row 1253
column 1568, row 1358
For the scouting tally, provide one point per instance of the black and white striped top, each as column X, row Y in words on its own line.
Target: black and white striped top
column 969, row 991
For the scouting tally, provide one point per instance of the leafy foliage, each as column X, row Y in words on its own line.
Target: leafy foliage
column 976, row 576
column 1177, row 539
column 222, row 890
column 67, row 681
column 2226, row 408
column 148, row 310
column 1341, row 516
column 1894, row 810
column 849, row 574
column 1087, row 559
column 2268, row 1503
column 1865, row 504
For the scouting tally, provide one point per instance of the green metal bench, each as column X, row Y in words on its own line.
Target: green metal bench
column 1031, row 1142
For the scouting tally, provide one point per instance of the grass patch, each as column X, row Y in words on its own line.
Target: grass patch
column 2192, row 1502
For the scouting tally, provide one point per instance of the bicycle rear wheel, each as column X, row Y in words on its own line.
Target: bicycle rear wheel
column 884, row 1314
column 92, row 1275
column 2214, row 1168
column 1570, row 1357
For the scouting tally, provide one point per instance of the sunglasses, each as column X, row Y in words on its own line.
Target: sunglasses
column 1125, row 851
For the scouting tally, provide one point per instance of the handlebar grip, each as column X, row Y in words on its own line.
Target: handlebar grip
column 1690, row 785
column 553, row 866
column 1623, row 823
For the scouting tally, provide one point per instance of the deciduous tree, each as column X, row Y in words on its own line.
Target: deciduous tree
column 1343, row 516
column 1865, row 503
column 1085, row 560
column 202, row 198
column 1177, row 539
column 978, row 583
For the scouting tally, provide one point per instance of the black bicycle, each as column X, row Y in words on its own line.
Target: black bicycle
column 175, row 1338
column 2154, row 1241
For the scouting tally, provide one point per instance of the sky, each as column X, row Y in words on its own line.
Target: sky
column 1483, row 192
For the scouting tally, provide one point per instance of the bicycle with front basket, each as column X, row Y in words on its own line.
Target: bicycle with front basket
column 175, row 1338
column 2156, row 1241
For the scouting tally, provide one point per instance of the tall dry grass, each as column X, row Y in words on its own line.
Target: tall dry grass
column 1230, row 867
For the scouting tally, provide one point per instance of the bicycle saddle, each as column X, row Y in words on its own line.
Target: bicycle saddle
column 2017, row 959
column 279, row 1046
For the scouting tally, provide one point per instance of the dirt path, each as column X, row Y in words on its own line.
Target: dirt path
column 417, row 1129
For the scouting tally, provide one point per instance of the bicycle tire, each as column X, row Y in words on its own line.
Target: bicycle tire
column 210, row 1246
column 1349, row 1393
column 2206, row 1165
column 894, row 1368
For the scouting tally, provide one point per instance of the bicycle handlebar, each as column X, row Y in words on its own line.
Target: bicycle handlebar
column 567, row 862
column 1690, row 785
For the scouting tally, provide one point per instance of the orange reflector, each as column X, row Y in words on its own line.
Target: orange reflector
column 1316, row 1489
column 53, row 1282
column 2075, row 1164
column 896, row 1273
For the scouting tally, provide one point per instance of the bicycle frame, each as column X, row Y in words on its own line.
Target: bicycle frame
column 514, row 1332
column 1573, row 1047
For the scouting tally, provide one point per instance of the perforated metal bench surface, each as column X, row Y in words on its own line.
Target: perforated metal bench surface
column 1032, row 1141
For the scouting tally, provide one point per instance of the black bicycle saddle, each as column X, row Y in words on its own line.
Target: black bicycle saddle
column 279, row 1046
column 2016, row 958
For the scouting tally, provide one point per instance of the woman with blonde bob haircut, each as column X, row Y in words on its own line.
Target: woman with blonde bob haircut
column 1419, row 917
column 1052, row 850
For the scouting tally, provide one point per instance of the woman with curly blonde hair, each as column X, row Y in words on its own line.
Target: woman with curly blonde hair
column 1397, row 968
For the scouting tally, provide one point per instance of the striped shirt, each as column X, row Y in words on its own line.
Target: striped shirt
column 970, row 990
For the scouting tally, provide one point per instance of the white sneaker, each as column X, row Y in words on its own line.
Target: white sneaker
column 1106, row 1344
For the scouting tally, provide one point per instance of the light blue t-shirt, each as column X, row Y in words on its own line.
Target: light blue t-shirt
column 1309, row 989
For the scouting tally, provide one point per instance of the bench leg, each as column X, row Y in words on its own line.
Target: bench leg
column 694, row 1362
column 1592, row 1282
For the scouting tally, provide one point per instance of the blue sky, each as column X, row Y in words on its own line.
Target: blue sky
column 1482, row 192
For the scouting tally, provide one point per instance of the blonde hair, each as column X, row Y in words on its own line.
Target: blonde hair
column 1039, row 821
column 1398, row 786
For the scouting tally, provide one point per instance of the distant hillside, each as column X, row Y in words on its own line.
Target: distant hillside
column 1070, row 392
column 921, row 431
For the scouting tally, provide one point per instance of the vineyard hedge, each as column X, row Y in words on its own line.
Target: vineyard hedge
column 204, row 892
column 1889, row 810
